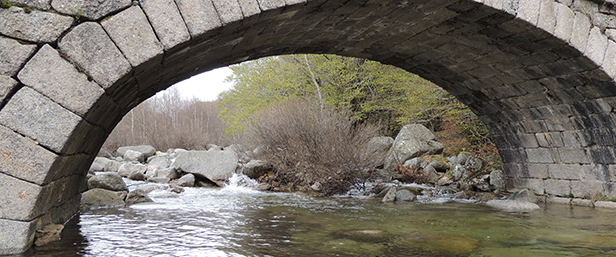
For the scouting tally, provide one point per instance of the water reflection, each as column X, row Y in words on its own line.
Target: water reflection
column 240, row 222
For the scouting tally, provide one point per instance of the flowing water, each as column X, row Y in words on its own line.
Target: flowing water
column 235, row 221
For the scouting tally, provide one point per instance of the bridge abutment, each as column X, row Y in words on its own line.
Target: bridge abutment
column 540, row 74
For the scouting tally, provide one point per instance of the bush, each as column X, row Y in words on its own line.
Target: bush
column 307, row 144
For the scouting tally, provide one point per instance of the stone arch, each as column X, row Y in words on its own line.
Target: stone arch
column 539, row 74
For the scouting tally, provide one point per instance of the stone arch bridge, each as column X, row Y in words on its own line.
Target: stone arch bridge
column 539, row 74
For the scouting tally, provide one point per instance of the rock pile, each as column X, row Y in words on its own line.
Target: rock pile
column 176, row 168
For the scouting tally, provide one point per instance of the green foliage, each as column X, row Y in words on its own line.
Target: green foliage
column 373, row 92
column 5, row 4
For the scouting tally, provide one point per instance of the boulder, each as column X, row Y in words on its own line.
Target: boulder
column 474, row 164
column 146, row 150
column 430, row 175
column 444, row 181
column 137, row 175
column 170, row 173
column 137, row 196
column 256, row 168
column 215, row 165
column 187, row 180
column 459, row 173
column 158, row 180
column 127, row 168
column 463, row 157
column 99, row 197
column 151, row 171
column 112, row 166
column 133, row 156
column 513, row 205
column 524, row 195
column 404, row 195
column 481, row 184
column 161, row 162
column 95, row 167
column 497, row 180
column 390, row 196
column 377, row 150
column 107, row 180
column 413, row 140
column 413, row 162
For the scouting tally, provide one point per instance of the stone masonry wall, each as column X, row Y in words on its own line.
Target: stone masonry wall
column 539, row 73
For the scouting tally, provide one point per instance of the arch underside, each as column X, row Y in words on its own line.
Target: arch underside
column 543, row 86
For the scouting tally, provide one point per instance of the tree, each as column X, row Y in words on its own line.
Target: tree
column 375, row 93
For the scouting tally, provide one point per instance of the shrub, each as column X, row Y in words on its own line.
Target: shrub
column 307, row 144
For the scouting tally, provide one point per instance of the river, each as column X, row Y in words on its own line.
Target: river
column 235, row 221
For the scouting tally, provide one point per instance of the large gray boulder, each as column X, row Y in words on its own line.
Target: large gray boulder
column 146, row 150
column 413, row 140
column 256, row 168
column 107, row 180
column 99, row 197
column 215, row 165
column 377, row 150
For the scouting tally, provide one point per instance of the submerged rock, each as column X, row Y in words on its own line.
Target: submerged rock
column 364, row 235
column 404, row 195
column 48, row 234
column 137, row 196
column 513, row 205
column 437, row 243
column 136, row 175
column 390, row 196
column 99, row 197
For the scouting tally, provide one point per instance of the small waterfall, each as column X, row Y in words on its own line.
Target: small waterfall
column 241, row 182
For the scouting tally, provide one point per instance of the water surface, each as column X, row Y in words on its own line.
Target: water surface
column 239, row 222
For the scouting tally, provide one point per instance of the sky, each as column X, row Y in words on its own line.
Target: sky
column 205, row 86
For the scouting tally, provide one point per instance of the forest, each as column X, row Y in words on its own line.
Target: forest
column 368, row 91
